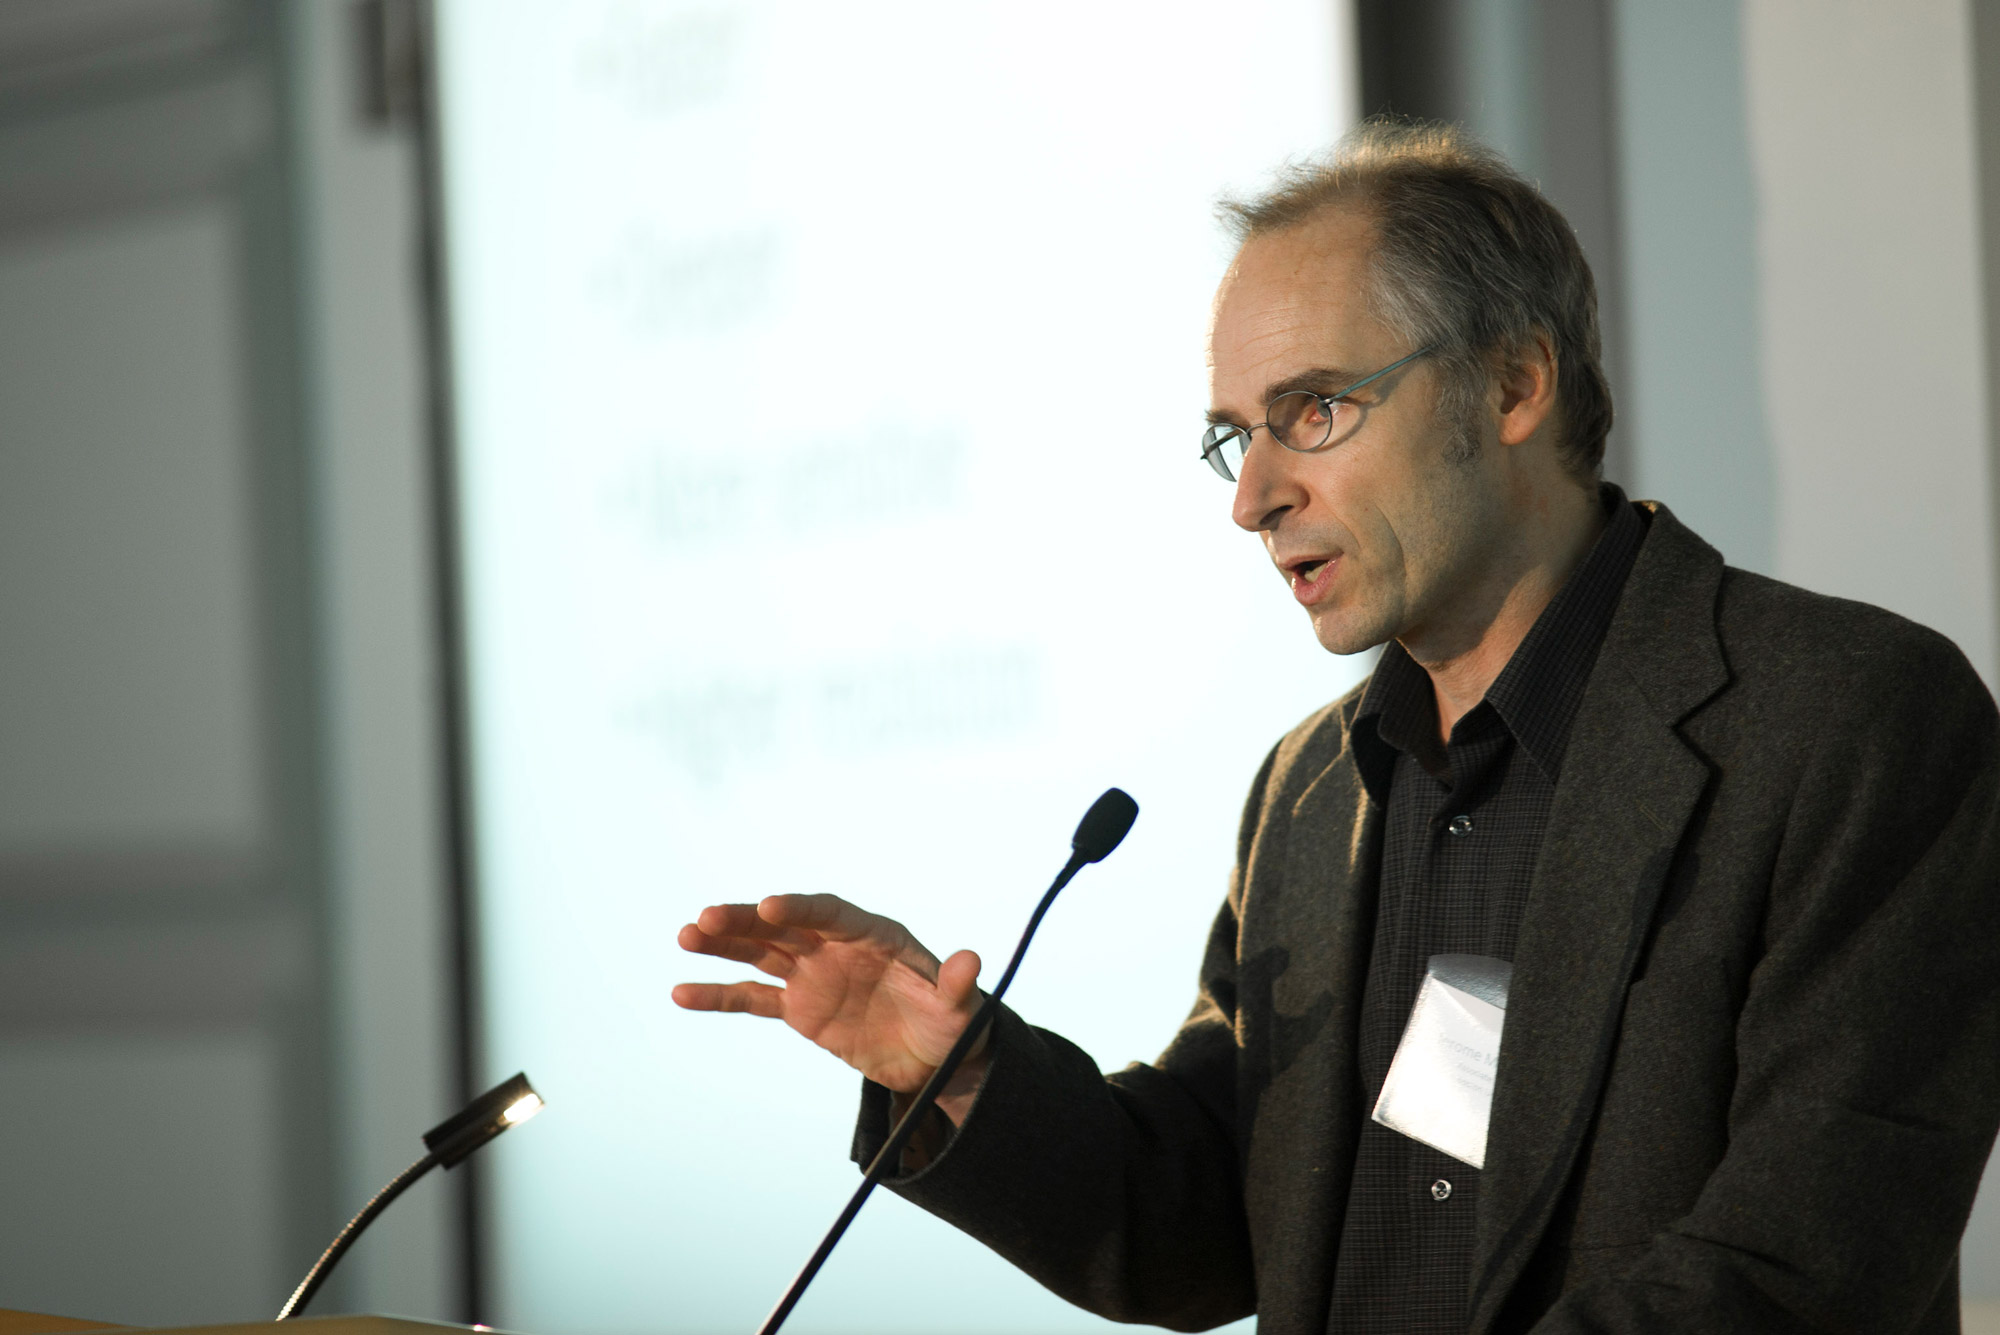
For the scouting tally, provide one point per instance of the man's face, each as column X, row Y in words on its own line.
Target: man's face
column 1380, row 534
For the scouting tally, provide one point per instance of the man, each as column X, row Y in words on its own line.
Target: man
column 1739, row 843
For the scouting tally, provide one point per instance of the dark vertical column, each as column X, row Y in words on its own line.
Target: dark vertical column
column 454, row 685
column 1412, row 58
column 1578, row 129
column 1533, row 78
column 399, row 37
column 1986, row 131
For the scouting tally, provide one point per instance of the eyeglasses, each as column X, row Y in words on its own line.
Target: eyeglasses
column 1298, row 420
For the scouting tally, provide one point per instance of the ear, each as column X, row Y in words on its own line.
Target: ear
column 1526, row 390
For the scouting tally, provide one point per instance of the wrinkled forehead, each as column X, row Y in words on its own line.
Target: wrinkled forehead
column 1291, row 299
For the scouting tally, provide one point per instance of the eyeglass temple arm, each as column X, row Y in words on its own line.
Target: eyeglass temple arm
column 1424, row 351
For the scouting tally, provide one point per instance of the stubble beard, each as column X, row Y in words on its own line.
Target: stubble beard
column 1356, row 630
column 1382, row 617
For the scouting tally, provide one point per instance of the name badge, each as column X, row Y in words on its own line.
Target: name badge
column 1440, row 1085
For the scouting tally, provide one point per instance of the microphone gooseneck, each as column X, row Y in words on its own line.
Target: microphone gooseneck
column 1100, row 831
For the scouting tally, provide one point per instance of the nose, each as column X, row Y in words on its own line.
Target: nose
column 1265, row 487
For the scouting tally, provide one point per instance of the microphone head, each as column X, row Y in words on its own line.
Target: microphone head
column 1103, row 827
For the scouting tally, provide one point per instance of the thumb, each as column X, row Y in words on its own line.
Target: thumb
column 958, row 979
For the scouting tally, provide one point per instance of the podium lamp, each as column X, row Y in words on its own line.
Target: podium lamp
column 446, row 1145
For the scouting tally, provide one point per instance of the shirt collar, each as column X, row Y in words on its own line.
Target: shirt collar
column 1399, row 699
column 1536, row 695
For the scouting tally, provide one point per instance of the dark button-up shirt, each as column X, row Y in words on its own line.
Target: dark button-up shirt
column 1462, row 827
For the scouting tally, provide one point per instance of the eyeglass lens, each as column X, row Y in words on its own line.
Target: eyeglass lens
column 1223, row 447
column 1300, row 420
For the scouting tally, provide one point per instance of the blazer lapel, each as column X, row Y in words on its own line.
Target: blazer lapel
column 1333, row 875
column 1304, row 974
column 1628, row 789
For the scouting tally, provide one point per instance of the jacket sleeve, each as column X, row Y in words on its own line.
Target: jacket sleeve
column 1121, row 1193
column 1868, row 1040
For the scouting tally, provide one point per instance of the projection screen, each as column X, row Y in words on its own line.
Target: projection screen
column 829, row 382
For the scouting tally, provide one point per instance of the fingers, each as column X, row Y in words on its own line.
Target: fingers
column 761, row 955
column 958, row 979
column 742, row 920
column 829, row 915
column 831, row 918
column 759, row 999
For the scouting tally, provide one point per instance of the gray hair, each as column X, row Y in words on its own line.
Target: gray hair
column 1469, row 258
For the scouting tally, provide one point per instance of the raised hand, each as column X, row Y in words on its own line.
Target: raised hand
column 856, row 983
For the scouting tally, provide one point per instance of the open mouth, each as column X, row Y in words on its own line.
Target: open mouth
column 1312, row 576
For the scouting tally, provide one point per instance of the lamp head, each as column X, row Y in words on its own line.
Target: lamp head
column 508, row 1103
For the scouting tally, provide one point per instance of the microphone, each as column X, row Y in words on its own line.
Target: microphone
column 1104, row 826
column 1102, row 829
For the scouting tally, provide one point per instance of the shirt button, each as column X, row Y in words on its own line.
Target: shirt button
column 1440, row 1190
column 1460, row 826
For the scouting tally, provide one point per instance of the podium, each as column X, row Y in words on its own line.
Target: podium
column 39, row 1323
column 1980, row 1319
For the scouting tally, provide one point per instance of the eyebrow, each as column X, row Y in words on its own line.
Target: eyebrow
column 1320, row 380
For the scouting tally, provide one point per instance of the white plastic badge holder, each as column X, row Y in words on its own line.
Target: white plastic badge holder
column 1440, row 1085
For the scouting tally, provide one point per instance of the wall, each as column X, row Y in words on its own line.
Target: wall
column 1692, row 405
column 223, row 1011
column 164, row 1135
column 1862, row 130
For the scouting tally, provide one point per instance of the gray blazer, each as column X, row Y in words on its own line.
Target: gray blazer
column 1751, row 1068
